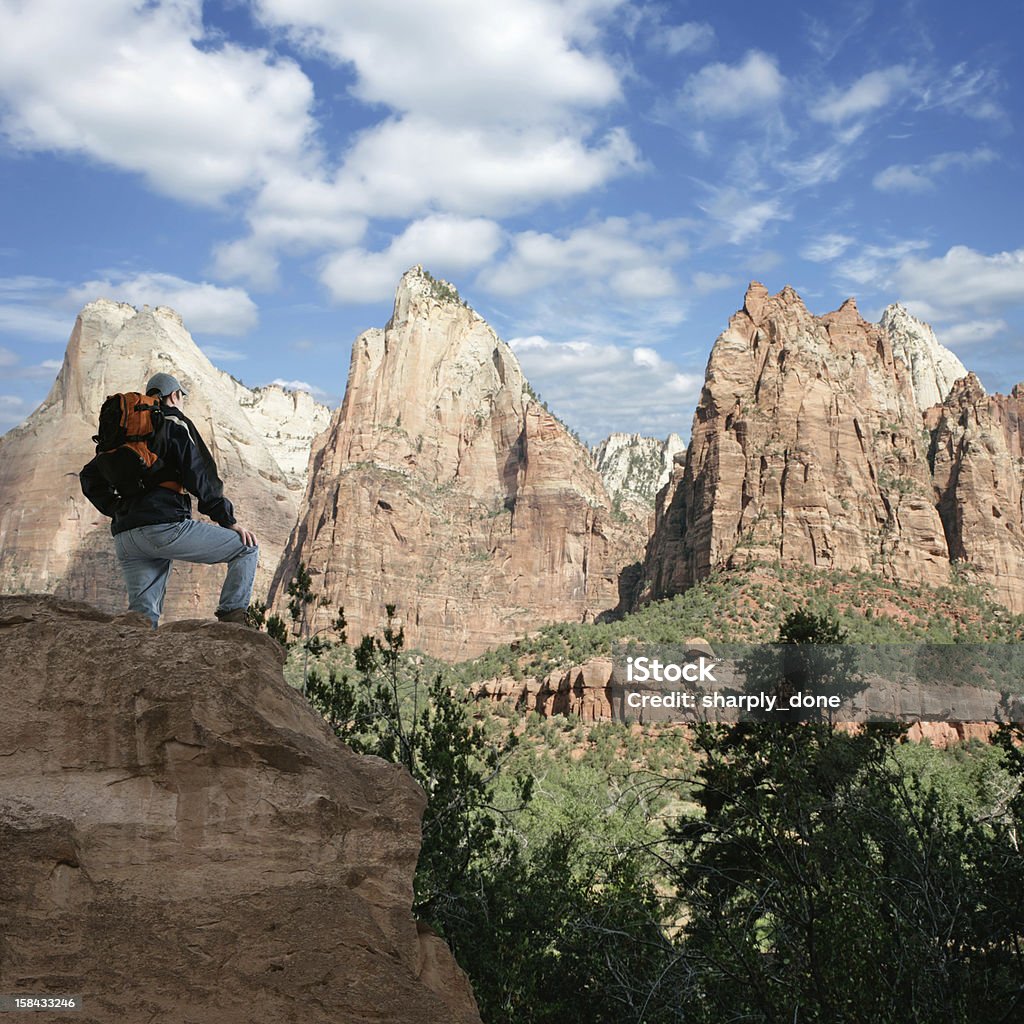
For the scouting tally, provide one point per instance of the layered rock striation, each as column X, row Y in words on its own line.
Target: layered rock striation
column 52, row 539
column 445, row 488
column 810, row 446
column 977, row 462
column 177, row 848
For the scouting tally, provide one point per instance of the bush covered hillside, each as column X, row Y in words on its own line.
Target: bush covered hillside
column 750, row 603
column 764, row 872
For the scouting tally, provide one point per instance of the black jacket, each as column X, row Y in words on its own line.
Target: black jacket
column 186, row 456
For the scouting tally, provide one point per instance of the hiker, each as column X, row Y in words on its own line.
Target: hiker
column 152, row 514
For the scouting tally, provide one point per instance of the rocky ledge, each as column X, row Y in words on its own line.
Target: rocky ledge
column 183, row 839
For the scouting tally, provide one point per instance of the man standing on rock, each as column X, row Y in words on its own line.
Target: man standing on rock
column 154, row 528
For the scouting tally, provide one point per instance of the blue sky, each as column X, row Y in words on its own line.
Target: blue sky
column 600, row 179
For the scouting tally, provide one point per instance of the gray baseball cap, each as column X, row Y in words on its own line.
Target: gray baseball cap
column 165, row 384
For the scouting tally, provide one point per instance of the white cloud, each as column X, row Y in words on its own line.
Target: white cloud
column 869, row 93
column 690, row 37
column 901, row 178
column 406, row 165
column 967, row 92
column 250, row 259
column 740, row 216
column 126, row 84
column 816, row 168
column 34, row 321
column 704, row 283
column 874, row 265
column 10, row 363
column 644, row 282
column 299, row 385
column 826, row 248
column 217, row 354
column 486, row 111
column 481, row 109
column 963, row 279
column 462, row 62
column 631, row 256
column 25, row 286
column 601, row 387
column 443, row 243
column 919, row 177
column 13, row 409
column 972, row 332
column 734, row 90
column 295, row 212
column 30, row 308
column 205, row 308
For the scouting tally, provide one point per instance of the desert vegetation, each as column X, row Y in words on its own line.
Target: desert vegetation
column 761, row 872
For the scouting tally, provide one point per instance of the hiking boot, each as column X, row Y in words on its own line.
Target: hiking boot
column 236, row 615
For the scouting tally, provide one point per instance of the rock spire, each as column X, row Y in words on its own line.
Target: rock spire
column 446, row 488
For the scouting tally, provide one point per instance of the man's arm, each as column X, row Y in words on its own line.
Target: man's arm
column 185, row 450
column 97, row 490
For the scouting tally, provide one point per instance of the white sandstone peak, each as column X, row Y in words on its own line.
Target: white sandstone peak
column 933, row 368
column 634, row 466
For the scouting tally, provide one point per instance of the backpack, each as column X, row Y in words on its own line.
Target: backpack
column 128, row 423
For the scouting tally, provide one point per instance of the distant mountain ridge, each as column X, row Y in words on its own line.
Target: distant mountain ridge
column 441, row 484
column 634, row 468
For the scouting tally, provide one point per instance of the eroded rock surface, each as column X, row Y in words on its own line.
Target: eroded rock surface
column 583, row 691
column 183, row 839
column 807, row 448
column 977, row 458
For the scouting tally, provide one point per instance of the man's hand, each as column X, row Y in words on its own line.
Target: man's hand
column 247, row 537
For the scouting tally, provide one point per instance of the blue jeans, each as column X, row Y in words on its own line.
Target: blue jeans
column 146, row 553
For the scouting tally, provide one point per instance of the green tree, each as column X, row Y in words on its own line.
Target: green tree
column 812, row 655
column 273, row 625
column 300, row 599
column 388, row 712
column 824, row 883
column 559, row 932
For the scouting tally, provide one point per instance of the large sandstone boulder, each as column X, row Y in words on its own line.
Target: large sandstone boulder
column 182, row 839
column 53, row 540
column 445, row 488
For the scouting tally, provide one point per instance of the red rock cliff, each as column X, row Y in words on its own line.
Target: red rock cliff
column 445, row 488
column 807, row 447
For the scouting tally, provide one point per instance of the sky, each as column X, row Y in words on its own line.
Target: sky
column 600, row 179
